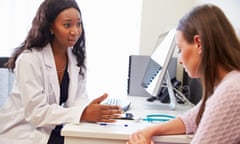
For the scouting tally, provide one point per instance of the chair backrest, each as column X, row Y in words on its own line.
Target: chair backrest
column 6, row 80
column 3, row 60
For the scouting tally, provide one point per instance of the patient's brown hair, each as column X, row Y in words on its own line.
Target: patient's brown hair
column 220, row 45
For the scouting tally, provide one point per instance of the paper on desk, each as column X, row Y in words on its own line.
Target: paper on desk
column 120, row 126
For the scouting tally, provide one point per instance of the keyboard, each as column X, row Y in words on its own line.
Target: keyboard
column 123, row 103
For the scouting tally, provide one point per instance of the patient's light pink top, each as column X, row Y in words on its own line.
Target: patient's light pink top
column 220, row 123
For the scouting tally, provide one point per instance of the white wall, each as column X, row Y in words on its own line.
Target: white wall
column 112, row 34
column 230, row 8
column 158, row 17
column 16, row 18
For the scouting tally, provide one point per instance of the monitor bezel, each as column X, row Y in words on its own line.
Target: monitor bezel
column 153, row 84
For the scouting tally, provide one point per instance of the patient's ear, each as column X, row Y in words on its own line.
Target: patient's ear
column 197, row 41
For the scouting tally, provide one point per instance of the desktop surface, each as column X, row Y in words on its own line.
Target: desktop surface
column 119, row 132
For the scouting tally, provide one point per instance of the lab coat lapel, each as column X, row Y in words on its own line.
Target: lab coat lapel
column 73, row 70
column 51, row 70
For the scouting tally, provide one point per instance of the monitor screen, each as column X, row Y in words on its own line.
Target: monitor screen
column 158, row 64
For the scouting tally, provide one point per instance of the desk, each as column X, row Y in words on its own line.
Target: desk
column 118, row 133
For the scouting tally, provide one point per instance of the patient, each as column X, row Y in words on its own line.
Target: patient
column 210, row 50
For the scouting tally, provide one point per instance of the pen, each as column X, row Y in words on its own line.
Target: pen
column 102, row 124
column 111, row 124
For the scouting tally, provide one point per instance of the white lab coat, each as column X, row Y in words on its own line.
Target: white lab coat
column 33, row 110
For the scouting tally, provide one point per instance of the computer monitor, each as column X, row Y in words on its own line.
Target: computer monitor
column 156, row 71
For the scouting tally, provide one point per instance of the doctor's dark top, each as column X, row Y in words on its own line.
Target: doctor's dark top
column 55, row 137
column 64, row 87
column 34, row 103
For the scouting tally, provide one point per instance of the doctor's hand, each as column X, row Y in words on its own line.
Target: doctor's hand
column 96, row 112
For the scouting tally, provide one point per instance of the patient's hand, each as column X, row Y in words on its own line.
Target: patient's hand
column 139, row 138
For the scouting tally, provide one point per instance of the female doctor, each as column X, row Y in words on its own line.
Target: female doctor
column 50, row 79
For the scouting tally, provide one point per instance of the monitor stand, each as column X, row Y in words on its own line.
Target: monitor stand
column 172, row 104
column 172, row 99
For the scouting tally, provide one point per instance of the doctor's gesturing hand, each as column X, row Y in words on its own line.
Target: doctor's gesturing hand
column 96, row 112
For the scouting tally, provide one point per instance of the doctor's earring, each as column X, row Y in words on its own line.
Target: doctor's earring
column 51, row 32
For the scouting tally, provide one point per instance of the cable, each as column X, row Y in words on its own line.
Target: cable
column 181, row 96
